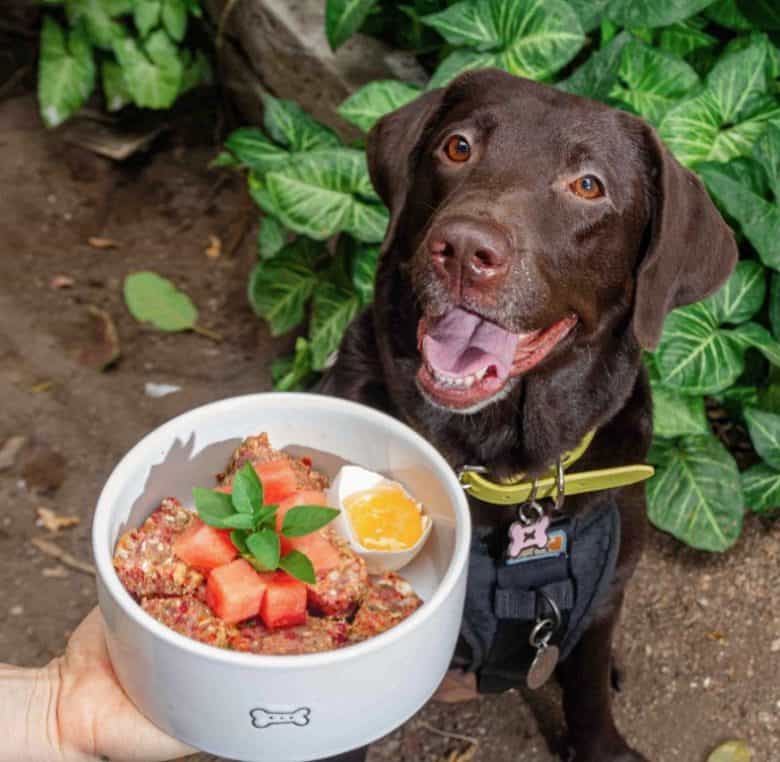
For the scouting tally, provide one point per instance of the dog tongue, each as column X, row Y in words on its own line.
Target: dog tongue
column 462, row 343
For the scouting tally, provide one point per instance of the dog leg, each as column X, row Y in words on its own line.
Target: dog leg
column 585, row 678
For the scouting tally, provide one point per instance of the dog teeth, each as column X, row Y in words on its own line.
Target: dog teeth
column 457, row 382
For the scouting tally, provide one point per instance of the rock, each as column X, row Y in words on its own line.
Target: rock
column 10, row 451
column 43, row 468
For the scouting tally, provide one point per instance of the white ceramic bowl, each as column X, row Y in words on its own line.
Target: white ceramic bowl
column 283, row 708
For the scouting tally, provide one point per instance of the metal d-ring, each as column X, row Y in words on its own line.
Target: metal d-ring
column 555, row 610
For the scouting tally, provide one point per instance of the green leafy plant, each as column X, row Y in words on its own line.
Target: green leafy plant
column 253, row 524
column 133, row 47
column 704, row 73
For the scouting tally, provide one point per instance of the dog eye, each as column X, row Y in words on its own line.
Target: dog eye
column 457, row 149
column 588, row 187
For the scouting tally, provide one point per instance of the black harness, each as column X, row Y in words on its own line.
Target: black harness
column 506, row 599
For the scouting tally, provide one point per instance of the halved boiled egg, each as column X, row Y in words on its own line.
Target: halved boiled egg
column 382, row 521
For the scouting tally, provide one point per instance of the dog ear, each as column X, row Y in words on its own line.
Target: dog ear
column 391, row 151
column 691, row 251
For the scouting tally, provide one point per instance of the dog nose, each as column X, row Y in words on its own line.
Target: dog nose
column 469, row 252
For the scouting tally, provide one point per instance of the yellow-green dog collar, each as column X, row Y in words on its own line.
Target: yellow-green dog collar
column 520, row 489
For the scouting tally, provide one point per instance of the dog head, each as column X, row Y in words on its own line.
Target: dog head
column 529, row 226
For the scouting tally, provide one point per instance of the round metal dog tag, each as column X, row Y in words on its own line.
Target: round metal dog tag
column 542, row 667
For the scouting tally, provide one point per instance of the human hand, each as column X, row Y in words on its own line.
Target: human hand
column 75, row 710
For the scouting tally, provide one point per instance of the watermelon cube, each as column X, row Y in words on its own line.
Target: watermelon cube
column 278, row 480
column 284, row 602
column 203, row 547
column 235, row 591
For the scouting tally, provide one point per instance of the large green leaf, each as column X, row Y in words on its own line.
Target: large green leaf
column 695, row 494
column 174, row 18
column 764, row 428
column 757, row 337
column 154, row 74
column 255, row 151
column 760, row 219
column 767, row 153
column 334, row 308
column 280, row 287
column 589, row 12
column 325, row 192
column 343, row 18
column 293, row 372
column 676, row 414
column 741, row 296
column 529, row 38
column 99, row 18
column 151, row 298
column 599, row 73
column 457, row 63
column 652, row 13
column 271, row 238
column 695, row 355
column 364, row 260
column 368, row 105
column 763, row 14
column 650, row 81
column 288, row 124
column 726, row 13
column 728, row 116
column 66, row 72
column 684, row 37
column 115, row 88
column 761, row 485
column 146, row 14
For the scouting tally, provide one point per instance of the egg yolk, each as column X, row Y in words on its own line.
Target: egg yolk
column 384, row 518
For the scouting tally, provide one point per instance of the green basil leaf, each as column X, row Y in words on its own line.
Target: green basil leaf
column 265, row 516
column 305, row 519
column 294, row 372
column 694, row 355
column 115, row 88
column 288, row 124
column 247, row 490
column 525, row 37
column 764, row 428
column 365, row 107
column 761, row 485
column 238, row 521
column 676, row 414
column 264, row 547
column 325, row 192
column 297, row 565
column 652, row 13
column 66, row 72
column 759, row 219
column 741, row 296
column 174, row 18
column 343, row 18
column 238, row 538
column 651, row 81
column 154, row 73
column 333, row 310
column 213, row 507
column 279, row 288
column 695, row 494
column 156, row 300
column 596, row 77
column 271, row 237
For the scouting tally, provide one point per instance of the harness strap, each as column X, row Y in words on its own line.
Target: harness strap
column 525, row 604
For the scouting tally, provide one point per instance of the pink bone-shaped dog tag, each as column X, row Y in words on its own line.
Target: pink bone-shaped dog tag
column 530, row 536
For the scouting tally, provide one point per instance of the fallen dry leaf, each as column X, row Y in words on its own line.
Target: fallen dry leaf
column 102, row 347
column 465, row 755
column 102, row 243
column 10, row 450
column 53, row 521
column 61, row 281
column 214, row 249
column 55, row 551
column 732, row 751
column 42, row 386
column 457, row 686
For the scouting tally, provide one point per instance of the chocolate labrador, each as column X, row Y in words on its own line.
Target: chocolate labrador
column 536, row 242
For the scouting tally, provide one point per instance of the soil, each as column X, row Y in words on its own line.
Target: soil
column 700, row 637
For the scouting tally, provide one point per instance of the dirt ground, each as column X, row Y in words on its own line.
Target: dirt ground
column 700, row 638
